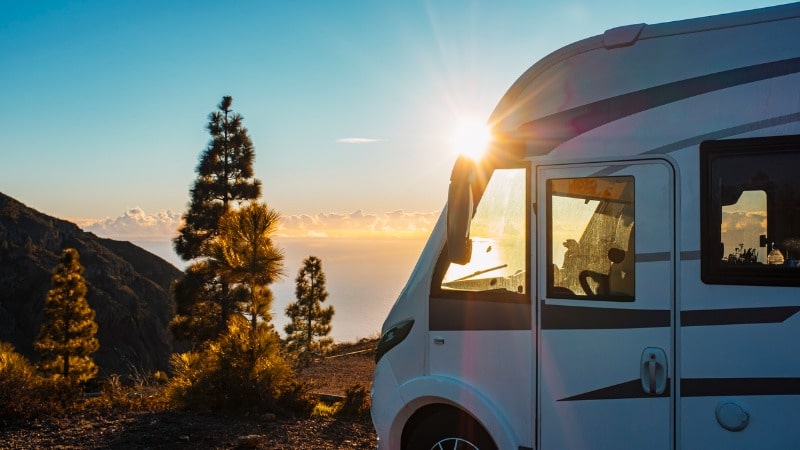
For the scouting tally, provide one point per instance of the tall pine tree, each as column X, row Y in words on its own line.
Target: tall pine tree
column 203, row 301
column 307, row 333
column 67, row 336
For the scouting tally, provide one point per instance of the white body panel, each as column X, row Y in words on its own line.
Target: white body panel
column 616, row 105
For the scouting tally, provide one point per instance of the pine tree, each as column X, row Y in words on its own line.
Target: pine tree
column 67, row 336
column 309, row 320
column 244, row 255
column 224, row 177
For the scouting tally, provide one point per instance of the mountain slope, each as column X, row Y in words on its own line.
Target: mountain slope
column 128, row 289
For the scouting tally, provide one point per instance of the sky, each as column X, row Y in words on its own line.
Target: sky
column 350, row 105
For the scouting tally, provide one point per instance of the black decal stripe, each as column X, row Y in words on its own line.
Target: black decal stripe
column 628, row 389
column 568, row 317
column 553, row 130
column 719, row 387
column 698, row 387
column 562, row 317
column 740, row 316
column 459, row 314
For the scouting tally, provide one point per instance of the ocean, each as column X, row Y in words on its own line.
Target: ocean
column 363, row 277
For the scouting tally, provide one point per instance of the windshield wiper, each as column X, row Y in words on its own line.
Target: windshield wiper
column 479, row 272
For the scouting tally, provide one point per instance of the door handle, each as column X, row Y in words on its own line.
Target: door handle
column 654, row 370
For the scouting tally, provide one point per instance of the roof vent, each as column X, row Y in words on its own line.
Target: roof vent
column 622, row 36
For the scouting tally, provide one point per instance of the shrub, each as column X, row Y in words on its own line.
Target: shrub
column 144, row 394
column 23, row 394
column 296, row 398
column 356, row 402
column 227, row 375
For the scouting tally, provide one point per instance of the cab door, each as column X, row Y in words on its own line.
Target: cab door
column 606, row 252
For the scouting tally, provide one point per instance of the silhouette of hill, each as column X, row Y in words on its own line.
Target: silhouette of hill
column 128, row 289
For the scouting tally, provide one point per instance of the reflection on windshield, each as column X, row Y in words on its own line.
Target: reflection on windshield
column 498, row 239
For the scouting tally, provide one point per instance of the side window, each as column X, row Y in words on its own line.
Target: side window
column 750, row 211
column 590, row 238
column 498, row 231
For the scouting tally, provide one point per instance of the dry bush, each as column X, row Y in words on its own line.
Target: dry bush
column 141, row 393
column 296, row 399
column 228, row 376
column 24, row 395
column 356, row 402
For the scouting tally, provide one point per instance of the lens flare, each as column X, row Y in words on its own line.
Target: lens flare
column 471, row 139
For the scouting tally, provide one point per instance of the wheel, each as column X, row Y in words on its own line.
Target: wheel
column 447, row 429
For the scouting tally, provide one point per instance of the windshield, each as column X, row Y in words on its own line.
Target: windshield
column 498, row 239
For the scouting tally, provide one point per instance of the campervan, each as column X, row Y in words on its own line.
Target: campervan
column 619, row 270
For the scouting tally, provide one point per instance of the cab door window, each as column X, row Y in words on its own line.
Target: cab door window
column 590, row 245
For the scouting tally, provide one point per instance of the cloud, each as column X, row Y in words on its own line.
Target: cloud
column 135, row 224
column 358, row 140
column 360, row 224
column 753, row 222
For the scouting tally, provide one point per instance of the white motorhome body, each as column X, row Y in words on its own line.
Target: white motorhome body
column 620, row 270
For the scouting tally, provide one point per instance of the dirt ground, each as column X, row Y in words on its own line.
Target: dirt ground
column 349, row 364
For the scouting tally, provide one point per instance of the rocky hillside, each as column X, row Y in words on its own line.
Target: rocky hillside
column 128, row 289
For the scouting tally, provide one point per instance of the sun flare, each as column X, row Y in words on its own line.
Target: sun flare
column 471, row 139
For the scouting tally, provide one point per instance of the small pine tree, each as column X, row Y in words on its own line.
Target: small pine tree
column 244, row 255
column 309, row 320
column 67, row 336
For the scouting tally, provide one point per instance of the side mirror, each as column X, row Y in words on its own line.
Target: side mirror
column 460, row 207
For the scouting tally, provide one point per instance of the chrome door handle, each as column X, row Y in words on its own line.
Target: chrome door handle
column 654, row 373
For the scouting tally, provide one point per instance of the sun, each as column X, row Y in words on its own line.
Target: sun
column 471, row 138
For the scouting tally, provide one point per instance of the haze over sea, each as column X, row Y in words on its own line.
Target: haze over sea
column 365, row 268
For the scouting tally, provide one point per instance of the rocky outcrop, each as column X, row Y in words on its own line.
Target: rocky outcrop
column 128, row 288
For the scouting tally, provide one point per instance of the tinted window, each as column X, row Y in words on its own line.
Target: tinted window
column 750, row 200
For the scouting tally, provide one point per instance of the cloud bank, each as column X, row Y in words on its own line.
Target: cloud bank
column 137, row 225
column 360, row 224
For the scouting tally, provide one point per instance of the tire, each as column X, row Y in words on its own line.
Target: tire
column 448, row 430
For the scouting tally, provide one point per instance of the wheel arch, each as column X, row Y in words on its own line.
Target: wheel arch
column 425, row 395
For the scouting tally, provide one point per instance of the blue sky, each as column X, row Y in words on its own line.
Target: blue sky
column 350, row 104
column 105, row 102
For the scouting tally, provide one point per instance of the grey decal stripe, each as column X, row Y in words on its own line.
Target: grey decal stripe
column 652, row 257
column 690, row 255
column 553, row 130
column 727, row 132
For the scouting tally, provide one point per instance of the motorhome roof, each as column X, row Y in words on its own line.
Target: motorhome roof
column 646, row 31
column 581, row 86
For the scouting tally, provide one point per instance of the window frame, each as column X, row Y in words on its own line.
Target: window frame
column 711, row 269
